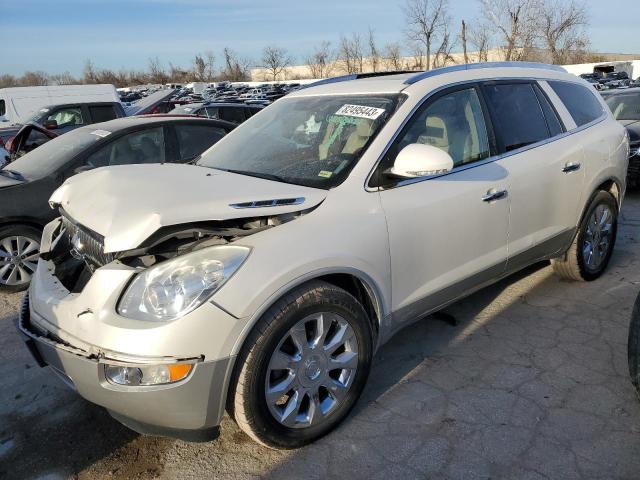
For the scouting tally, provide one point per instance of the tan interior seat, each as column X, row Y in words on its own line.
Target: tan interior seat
column 436, row 133
column 359, row 138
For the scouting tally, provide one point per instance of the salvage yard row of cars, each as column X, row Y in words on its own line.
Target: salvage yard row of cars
column 257, row 272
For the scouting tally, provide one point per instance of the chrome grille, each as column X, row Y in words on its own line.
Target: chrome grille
column 86, row 244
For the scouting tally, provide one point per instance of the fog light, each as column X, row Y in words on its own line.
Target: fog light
column 146, row 374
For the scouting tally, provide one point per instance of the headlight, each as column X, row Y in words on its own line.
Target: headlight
column 173, row 288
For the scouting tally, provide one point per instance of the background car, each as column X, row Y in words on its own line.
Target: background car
column 625, row 105
column 27, row 183
column 230, row 112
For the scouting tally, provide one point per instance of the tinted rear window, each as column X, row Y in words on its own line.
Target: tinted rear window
column 581, row 102
column 195, row 139
column 517, row 115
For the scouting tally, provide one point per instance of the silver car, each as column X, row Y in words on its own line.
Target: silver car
column 262, row 279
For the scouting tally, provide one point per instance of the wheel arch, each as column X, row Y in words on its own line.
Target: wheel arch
column 18, row 221
column 355, row 282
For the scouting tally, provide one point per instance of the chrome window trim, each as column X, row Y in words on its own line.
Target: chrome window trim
column 478, row 163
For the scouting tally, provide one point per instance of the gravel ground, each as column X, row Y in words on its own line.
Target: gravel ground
column 532, row 383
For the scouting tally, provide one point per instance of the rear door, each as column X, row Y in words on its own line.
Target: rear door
column 544, row 166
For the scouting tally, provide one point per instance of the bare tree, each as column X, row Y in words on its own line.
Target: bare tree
column 463, row 40
column 479, row 38
column 34, row 79
column 427, row 22
column 157, row 74
column 8, row 80
column 562, row 29
column 516, row 21
column 374, row 54
column 276, row 60
column 351, row 53
column 199, row 68
column 89, row 72
column 62, row 79
column 443, row 54
column 320, row 62
column 393, row 57
column 236, row 69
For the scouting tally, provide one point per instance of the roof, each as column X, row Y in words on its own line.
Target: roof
column 389, row 83
column 128, row 122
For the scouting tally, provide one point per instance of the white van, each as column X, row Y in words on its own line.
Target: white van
column 17, row 104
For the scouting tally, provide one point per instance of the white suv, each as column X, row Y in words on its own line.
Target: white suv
column 262, row 279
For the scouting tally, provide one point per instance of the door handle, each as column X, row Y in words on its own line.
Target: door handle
column 571, row 167
column 494, row 195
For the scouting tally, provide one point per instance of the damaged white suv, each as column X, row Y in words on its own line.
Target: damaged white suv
column 262, row 279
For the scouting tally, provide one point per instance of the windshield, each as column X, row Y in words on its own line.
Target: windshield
column 49, row 157
column 310, row 141
column 625, row 106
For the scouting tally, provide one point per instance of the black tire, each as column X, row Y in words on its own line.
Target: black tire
column 247, row 402
column 34, row 235
column 572, row 266
column 633, row 346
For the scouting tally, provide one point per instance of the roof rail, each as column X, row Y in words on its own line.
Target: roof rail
column 355, row 76
column 477, row 66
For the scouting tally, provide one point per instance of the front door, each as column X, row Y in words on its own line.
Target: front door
column 447, row 234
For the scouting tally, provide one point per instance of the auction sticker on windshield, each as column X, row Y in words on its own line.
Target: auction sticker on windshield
column 360, row 111
column 101, row 133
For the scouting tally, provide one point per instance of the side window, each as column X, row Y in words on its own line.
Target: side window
column 3, row 108
column 581, row 102
column 517, row 115
column 146, row 146
column 453, row 123
column 231, row 114
column 195, row 139
column 66, row 117
column 212, row 112
column 102, row 113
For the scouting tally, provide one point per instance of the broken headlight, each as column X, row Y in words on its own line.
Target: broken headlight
column 175, row 287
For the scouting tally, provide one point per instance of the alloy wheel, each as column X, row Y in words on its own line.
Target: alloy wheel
column 311, row 370
column 18, row 259
column 597, row 237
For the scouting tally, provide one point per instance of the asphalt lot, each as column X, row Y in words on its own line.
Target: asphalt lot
column 531, row 384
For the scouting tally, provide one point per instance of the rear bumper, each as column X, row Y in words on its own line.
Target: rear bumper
column 190, row 409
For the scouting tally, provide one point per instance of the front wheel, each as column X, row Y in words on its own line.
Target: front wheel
column 303, row 367
column 589, row 254
column 19, row 249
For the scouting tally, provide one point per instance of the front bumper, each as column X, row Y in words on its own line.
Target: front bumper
column 190, row 409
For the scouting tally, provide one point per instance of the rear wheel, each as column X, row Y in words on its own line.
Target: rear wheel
column 303, row 367
column 19, row 249
column 589, row 254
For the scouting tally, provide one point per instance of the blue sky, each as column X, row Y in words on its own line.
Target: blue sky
column 59, row 35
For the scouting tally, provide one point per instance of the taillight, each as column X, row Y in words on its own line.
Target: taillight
column 9, row 144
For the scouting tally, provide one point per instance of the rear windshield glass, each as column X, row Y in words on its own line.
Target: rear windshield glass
column 54, row 154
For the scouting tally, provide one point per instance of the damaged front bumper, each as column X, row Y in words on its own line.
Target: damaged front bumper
column 190, row 409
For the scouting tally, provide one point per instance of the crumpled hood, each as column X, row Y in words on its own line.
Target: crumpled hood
column 126, row 204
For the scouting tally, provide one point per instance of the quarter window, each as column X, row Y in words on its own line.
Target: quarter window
column 582, row 104
column 3, row 109
column 517, row 115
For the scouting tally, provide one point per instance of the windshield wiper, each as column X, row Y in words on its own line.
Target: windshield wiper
column 12, row 174
column 266, row 176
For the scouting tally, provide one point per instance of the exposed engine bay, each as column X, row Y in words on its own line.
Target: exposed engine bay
column 77, row 251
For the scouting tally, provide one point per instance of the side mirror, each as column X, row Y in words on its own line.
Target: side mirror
column 50, row 125
column 420, row 160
